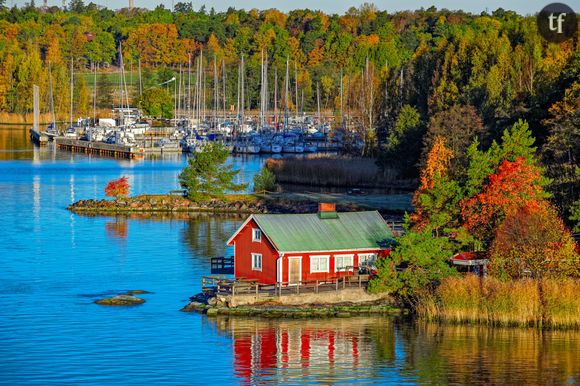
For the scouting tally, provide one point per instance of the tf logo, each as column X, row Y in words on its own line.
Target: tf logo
column 557, row 22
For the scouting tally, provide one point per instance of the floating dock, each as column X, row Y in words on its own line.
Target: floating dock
column 100, row 148
column 38, row 137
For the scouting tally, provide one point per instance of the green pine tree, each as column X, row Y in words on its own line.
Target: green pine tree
column 207, row 176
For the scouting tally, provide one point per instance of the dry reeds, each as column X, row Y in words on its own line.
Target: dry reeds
column 336, row 171
column 528, row 302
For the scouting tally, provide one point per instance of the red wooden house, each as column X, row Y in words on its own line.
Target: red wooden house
column 293, row 248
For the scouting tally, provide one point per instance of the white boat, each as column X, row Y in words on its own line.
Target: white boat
column 310, row 148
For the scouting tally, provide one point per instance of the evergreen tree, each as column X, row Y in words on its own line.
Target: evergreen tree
column 207, row 176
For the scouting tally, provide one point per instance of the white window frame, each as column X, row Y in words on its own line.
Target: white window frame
column 350, row 263
column 256, row 235
column 318, row 257
column 365, row 256
column 255, row 266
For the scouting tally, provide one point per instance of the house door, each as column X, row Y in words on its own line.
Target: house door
column 294, row 270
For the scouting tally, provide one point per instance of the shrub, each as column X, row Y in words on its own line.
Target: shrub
column 265, row 181
column 117, row 188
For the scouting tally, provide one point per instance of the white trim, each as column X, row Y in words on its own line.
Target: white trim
column 338, row 250
column 279, row 268
column 327, row 257
column 239, row 229
column 244, row 225
column 351, row 256
column 290, row 265
column 254, row 267
column 254, row 238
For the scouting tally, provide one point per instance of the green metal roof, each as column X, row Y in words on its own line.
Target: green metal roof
column 308, row 232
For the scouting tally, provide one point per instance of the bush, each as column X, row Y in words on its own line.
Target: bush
column 117, row 188
column 265, row 181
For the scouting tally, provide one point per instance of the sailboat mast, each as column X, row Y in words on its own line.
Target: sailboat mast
column 51, row 98
column 71, row 90
column 318, row 101
column 189, row 90
column 276, row 98
column 341, row 98
column 140, row 80
column 215, row 91
column 262, row 90
column 95, row 65
column 242, row 86
column 296, row 87
column 224, row 87
column 286, row 86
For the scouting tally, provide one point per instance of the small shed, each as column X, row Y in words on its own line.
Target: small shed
column 473, row 262
column 294, row 248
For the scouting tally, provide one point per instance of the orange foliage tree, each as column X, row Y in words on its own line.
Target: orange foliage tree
column 533, row 240
column 435, row 171
column 117, row 188
column 515, row 184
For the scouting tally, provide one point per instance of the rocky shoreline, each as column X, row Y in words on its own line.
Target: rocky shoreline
column 245, row 204
column 293, row 306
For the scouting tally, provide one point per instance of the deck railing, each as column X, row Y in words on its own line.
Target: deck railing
column 224, row 286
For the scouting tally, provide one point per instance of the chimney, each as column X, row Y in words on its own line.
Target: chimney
column 327, row 210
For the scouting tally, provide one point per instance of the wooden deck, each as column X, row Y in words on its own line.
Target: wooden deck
column 220, row 285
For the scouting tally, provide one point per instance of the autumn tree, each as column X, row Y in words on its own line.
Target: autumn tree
column 437, row 198
column 533, row 240
column 515, row 184
column 117, row 188
column 459, row 125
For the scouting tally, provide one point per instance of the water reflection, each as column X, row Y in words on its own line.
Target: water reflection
column 325, row 350
column 118, row 228
column 206, row 234
column 467, row 355
column 370, row 349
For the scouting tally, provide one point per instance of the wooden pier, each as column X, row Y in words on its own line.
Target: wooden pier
column 100, row 148
column 38, row 137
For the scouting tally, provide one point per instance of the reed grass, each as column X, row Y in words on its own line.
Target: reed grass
column 336, row 171
column 542, row 303
column 46, row 118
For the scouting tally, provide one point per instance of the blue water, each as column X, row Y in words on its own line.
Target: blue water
column 54, row 264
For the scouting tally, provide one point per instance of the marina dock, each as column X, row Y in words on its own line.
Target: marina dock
column 100, row 148
column 38, row 137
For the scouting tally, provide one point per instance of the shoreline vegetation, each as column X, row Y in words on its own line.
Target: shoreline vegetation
column 343, row 171
column 540, row 303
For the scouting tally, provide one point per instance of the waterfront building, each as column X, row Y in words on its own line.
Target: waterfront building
column 298, row 248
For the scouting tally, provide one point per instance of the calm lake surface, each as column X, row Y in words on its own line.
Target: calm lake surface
column 54, row 264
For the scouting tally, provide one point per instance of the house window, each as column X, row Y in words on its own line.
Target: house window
column 367, row 259
column 319, row 263
column 256, row 261
column 256, row 234
column 343, row 263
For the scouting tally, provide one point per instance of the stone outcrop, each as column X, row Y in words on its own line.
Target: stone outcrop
column 177, row 204
column 120, row 300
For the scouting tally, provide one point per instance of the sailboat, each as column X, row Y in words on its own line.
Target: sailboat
column 70, row 132
column 51, row 130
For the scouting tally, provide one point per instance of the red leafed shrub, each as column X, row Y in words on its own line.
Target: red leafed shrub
column 117, row 188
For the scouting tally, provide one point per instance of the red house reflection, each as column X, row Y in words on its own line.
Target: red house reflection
column 292, row 349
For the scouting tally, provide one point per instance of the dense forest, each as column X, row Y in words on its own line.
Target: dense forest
column 408, row 77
